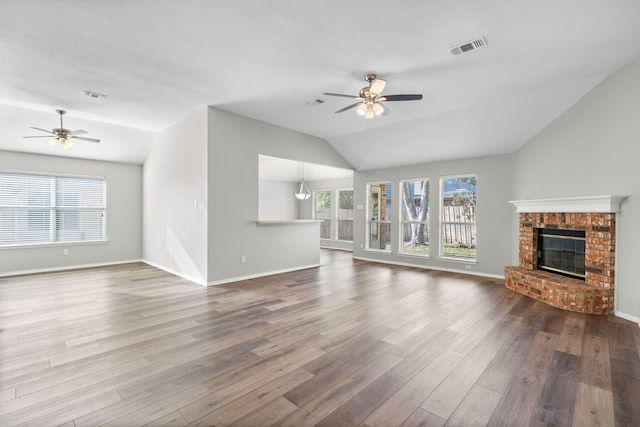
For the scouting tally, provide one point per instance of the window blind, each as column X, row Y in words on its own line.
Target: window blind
column 45, row 209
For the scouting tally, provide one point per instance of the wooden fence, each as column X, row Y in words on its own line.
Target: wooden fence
column 457, row 227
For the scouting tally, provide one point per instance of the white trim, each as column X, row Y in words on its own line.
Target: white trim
column 337, row 248
column 401, row 221
column 414, row 256
column 368, row 220
column 67, row 267
column 288, row 221
column 314, row 200
column 607, row 203
column 263, row 274
column 615, row 277
column 459, row 260
column 379, row 251
column 41, row 245
column 193, row 279
column 430, row 267
column 336, row 224
column 441, row 179
column 627, row 317
column 28, row 172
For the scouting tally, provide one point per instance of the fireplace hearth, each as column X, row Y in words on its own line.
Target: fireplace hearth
column 567, row 253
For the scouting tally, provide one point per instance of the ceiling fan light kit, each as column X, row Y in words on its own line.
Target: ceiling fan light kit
column 64, row 142
column 62, row 136
column 369, row 100
column 369, row 111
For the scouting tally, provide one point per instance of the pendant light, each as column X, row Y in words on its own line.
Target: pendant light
column 303, row 192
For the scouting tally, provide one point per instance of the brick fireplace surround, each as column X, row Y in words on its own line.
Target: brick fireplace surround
column 596, row 216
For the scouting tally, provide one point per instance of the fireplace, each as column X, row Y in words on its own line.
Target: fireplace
column 567, row 252
column 562, row 252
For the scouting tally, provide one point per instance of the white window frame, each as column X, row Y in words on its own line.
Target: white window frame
column 331, row 200
column 54, row 210
column 337, row 217
column 441, row 223
column 402, row 222
column 370, row 221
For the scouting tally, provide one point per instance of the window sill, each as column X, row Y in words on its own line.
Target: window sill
column 378, row 251
column 53, row 244
column 285, row 221
column 425, row 256
column 460, row 260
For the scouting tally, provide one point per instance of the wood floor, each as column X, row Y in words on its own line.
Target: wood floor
column 348, row 344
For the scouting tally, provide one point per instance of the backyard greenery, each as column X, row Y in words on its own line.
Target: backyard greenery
column 447, row 250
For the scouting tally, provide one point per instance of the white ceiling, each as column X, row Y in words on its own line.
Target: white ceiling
column 161, row 60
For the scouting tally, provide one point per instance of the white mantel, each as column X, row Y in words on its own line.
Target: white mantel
column 570, row 204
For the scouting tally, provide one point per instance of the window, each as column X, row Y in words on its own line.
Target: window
column 379, row 216
column 46, row 209
column 345, row 215
column 458, row 217
column 322, row 211
column 414, row 217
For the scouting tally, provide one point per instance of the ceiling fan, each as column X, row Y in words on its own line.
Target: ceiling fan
column 62, row 135
column 370, row 99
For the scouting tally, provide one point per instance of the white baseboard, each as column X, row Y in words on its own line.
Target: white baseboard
column 430, row 267
column 263, row 274
column 193, row 279
column 66, row 267
column 627, row 317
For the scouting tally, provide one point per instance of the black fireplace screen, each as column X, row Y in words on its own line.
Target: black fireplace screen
column 561, row 251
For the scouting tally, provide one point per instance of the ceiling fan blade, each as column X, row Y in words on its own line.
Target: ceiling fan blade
column 342, row 95
column 78, row 132
column 39, row 136
column 378, row 86
column 401, row 98
column 385, row 110
column 84, row 138
column 43, row 130
column 348, row 107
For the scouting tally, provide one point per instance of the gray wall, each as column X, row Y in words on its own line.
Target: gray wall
column 276, row 201
column 494, row 213
column 174, row 178
column 235, row 142
column 594, row 149
column 124, row 215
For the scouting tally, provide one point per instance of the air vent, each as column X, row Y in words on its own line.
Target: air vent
column 467, row 46
column 95, row 95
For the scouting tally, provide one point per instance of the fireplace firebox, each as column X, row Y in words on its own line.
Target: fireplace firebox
column 562, row 252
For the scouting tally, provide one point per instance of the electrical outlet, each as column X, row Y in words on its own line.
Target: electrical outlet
column 243, row 260
column 65, row 251
column 467, row 267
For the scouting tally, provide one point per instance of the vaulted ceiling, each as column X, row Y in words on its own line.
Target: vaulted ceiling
column 161, row 60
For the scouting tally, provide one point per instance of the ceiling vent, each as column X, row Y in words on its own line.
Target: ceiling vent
column 95, row 95
column 467, row 46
